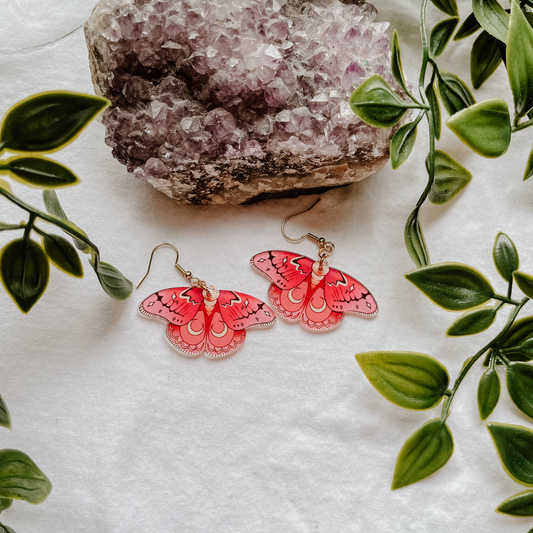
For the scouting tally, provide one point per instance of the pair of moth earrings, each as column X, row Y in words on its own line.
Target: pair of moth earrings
column 203, row 320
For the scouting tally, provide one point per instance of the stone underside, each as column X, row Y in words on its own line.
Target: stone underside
column 235, row 101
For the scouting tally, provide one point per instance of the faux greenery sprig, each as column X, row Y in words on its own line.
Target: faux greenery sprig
column 20, row 477
column 418, row 381
column 485, row 127
column 44, row 123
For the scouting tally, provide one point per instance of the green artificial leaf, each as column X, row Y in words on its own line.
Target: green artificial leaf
column 21, row 478
column 485, row 58
column 528, row 172
column 447, row 6
column 520, row 60
column 492, row 17
column 484, row 127
column 402, row 143
column 518, row 333
column 6, row 529
column 113, row 282
column 63, row 255
column 450, row 178
column 377, row 104
column 524, row 282
column 514, row 445
column 454, row 93
column 452, row 286
column 5, row 185
column 24, row 272
column 81, row 245
column 520, row 386
column 396, row 63
column 505, row 256
column 408, row 379
column 48, row 121
column 414, row 240
column 514, row 341
column 427, row 450
column 40, row 172
column 5, row 504
column 52, row 205
column 435, row 109
column 472, row 322
column 488, row 392
column 467, row 28
column 520, row 504
column 441, row 35
column 5, row 417
column 526, row 348
column 528, row 15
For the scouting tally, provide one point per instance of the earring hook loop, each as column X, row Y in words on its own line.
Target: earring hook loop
column 307, row 235
column 186, row 274
column 325, row 248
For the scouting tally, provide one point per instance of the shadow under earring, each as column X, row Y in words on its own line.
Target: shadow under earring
column 309, row 291
column 202, row 319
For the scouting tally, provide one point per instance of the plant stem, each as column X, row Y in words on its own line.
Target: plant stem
column 9, row 227
column 523, row 126
column 505, row 299
column 468, row 366
column 502, row 357
column 40, row 232
column 29, row 226
column 425, row 49
column 429, row 117
column 66, row 227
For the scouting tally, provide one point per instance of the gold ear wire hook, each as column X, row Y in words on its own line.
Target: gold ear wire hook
column 195, row 282
column 185, row 273
column 308, row 235
column 325, row 248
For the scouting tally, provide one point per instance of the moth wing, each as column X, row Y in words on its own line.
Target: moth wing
column 317, row 315
column 285, row 269
column 189, row 339
column 240, row 311
column 345, row 294
column 221, row 340
column 289, row 303
column 177, row 305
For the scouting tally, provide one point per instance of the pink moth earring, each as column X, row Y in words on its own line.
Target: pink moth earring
column 309, row 291
column 201, row 319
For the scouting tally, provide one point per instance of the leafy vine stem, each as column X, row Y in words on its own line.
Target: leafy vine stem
column 485, row 127
column 66, row 226
column 41, row 124
column 470, row 362
column 419, row 381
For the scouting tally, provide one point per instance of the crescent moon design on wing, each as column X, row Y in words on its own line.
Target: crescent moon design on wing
column 191, row 331
column 293, row 299
column 219, row 335
column 318, row 310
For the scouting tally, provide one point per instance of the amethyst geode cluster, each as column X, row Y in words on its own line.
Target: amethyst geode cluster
column 234, row 101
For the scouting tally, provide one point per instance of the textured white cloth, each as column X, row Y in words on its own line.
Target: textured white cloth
column 286, row 435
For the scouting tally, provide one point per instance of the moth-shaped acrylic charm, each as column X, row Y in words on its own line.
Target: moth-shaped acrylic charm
column 309, row 291
column 203, row 320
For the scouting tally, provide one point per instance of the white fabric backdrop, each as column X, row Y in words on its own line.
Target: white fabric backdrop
column 287, row 434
